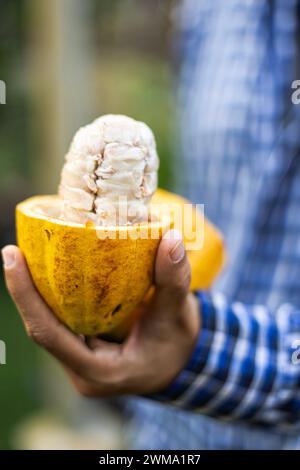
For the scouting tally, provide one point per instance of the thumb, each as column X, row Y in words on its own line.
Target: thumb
column 172, row 269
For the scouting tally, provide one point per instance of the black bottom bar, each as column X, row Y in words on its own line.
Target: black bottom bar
column 135, row 459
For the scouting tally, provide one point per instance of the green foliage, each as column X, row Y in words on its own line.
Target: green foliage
column 19, row 392
column 139, row 87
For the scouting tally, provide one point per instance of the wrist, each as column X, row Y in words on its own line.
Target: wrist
column 193, row 318
column 188, row 333
column 182, row 343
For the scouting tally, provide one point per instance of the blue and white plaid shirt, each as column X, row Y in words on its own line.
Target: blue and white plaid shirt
column 241, row 147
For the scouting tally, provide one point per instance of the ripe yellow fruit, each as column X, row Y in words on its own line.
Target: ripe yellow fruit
column 95, row 278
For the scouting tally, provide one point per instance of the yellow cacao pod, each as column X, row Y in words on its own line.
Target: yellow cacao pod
column 95, row 278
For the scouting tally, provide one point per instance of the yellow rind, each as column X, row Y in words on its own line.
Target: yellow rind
column 94, row 285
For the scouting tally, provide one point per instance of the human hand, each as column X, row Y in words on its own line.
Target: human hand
column 155, row 351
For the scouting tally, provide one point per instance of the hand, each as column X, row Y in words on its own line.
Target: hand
column 156, row 350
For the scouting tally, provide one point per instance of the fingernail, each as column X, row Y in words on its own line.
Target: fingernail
column 177, row 252
column 8, row 256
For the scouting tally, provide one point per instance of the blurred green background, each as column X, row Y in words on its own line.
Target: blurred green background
column 64, row 63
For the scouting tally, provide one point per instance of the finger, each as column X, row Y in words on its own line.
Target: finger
column 41, row 325
column 113, row 356
column 108, row 351
column 172, row 269
column 82, row 386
